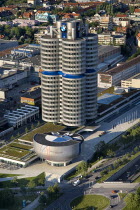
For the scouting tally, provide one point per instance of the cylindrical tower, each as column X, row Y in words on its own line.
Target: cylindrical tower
column 91, row 76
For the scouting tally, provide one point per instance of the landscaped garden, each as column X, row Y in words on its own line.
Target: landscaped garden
column 89, row 202
column 48, row 127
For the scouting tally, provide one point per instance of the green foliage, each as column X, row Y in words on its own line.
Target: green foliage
column 22, row 34
column 6, row 198
column 133, row 201
column 31, row 184
column 82, row 167
column 53, row 191
column 23, row 190
column 42, row 199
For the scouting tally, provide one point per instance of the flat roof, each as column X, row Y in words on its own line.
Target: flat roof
column 107, row 98
column 122, row 67
column 106, row 48
column 136, row 76
column 32, row 94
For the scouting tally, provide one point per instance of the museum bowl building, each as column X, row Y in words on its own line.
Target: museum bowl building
column 58, row 149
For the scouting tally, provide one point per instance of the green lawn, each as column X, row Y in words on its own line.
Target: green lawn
column 48, row 127
column 8, row 175
column 13, row 152
column 86, row 202
column 137, row 180
column 21, row 182
column 19, row 145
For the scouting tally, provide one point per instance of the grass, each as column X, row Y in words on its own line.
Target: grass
column 137, row 180
column 8, row 175
column 48, row 127
column 21, row 182
column 18, row 145
column 122, row 195
column 19, row 199
column 99, row 202
column 13, row 152
column 109, row 90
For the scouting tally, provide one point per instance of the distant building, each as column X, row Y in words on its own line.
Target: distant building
column 121, row 21
column 106, row 22
column 24, row 22
column 32, row 97
column 9, row 76
column 123, row 71
column 108, row 39
column 45, row 17
column 132, row 82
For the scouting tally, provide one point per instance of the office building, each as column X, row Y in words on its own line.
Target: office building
column 132, row 82
column 123, row 71
column 69, row 81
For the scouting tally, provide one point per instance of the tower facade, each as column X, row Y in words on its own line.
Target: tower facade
column 69, row 56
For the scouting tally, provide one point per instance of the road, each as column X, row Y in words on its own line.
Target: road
column 71, row 192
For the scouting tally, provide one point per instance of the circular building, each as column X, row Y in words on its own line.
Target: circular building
column 58, row 149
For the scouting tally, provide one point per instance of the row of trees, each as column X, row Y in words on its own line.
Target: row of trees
column 50, row 194
column 131, row 136
column 11, row 2
column 22, row 34
column 133, row 200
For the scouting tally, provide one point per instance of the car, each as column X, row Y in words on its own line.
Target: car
column 103, row 133
column 97, row 177
column 111, row 206
column 77, row 182
column 114, row 191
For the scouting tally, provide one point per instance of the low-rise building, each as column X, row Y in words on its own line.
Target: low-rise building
column 6, row 44
column 10, row 75
column 24, row 22
column 32, row 97
column 108, row 39
column 22, row 115
column 45, row 17
column 106, row 22
column 121, row 20
column 123, row 71
column 132, row 82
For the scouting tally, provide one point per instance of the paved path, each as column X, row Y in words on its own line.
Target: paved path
column 32, row 205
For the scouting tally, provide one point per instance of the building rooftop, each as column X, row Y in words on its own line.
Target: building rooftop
column 33, row 94
column 108, row 98
column 57, row 139
column 136, row 76
column 122, row 67
column 106, row 48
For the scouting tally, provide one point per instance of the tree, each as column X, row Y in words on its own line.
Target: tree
column 14, row 180
column 41, row 181
column 23, row 190
column 26, row 130
column 53, row 191
column 42, row 199
column 31, row 184
column 32, row 126
column 6, row 198
column 82, row 167
column 110, row 153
